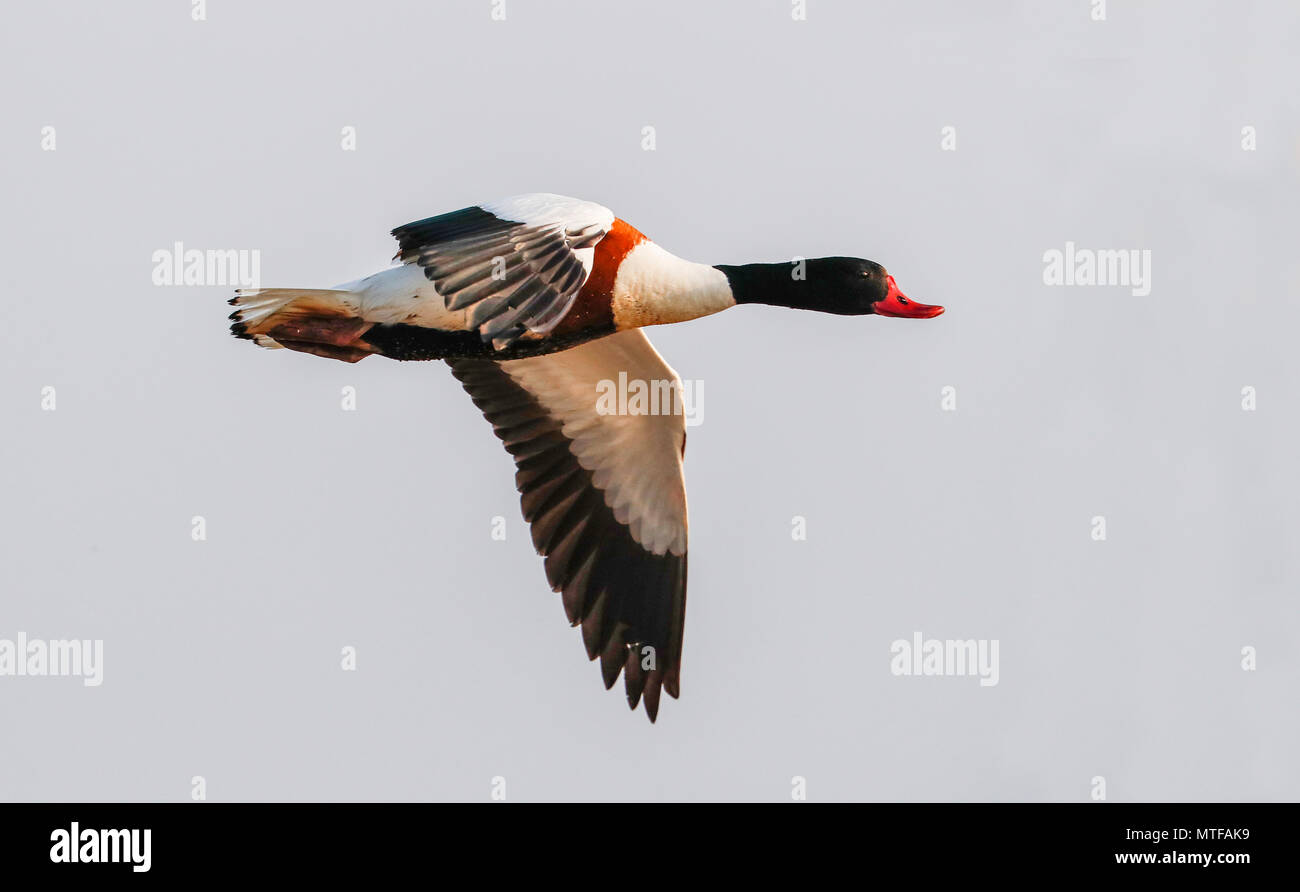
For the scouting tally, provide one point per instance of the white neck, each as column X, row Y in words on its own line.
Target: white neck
column 653, row 287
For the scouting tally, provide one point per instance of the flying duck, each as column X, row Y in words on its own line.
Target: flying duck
column 534, row 301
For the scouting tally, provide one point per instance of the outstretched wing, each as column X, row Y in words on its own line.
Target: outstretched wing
column 517, row 263
column 604, row 496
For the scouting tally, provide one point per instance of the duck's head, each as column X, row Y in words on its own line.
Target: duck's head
column 846, row 286
column 852, row 286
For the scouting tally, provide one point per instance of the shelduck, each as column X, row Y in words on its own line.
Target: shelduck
column 533, row 301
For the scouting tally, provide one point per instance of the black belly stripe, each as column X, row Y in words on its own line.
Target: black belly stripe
column 415, row 342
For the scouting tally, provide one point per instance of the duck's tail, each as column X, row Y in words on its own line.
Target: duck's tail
column 326, row 322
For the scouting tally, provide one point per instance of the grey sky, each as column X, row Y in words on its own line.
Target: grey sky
column 774, row 138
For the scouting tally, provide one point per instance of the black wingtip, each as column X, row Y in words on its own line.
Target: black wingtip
column 611, row 663
column 653, row 685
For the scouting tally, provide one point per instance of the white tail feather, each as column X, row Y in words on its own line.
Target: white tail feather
column 260, row 310
column 326, row 322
